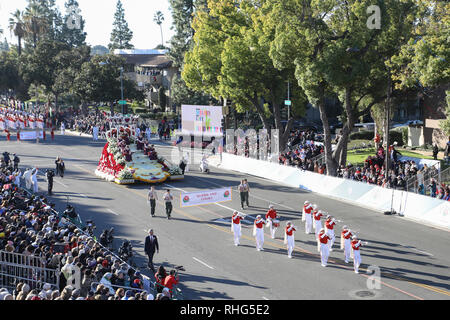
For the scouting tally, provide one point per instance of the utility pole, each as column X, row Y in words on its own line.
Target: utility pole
column 289, row 106
column 388, row 107
column 121, row 89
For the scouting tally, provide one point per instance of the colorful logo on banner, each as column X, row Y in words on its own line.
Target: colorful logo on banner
column 186, row 199
column 226, row 194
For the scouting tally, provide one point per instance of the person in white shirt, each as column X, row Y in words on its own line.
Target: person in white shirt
column 168, row 200
column 152, row 197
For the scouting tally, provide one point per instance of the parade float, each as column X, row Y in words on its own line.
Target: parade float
column 114, row 167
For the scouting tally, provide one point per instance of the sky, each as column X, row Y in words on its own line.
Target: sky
column 99, row 16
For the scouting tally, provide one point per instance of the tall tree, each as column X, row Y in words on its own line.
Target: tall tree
column 17, row 26
column 333, row 50
column 42, row 21
column 121, row 35
column 72, row 30
column 41, row 66
column 183, row 12
column 158, row 18
column 230, row 59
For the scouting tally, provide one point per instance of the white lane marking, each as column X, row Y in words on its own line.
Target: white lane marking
column 83, row 195
column 113, row 212
column 65, row 186
column 265, row 298
column 417, row 250
column 202, row 262
column 250, row 194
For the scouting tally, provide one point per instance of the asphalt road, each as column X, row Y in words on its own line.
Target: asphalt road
column 413, row 260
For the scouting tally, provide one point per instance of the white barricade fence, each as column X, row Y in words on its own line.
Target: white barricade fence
column 415, row 206
column 30, row 135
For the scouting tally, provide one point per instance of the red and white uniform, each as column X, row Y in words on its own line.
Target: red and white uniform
column 289, row 239
column 317, row 215
column 307, row 217
column 329, row 227
column 236, row 228
column 323, row 245
column 356, row 244
column 258, row 233
column 307, row 209
column 346, row 238
column 270, row 216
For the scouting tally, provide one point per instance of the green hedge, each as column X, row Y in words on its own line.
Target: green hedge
column 140, row 110
column 394, row 135
column 362, row 135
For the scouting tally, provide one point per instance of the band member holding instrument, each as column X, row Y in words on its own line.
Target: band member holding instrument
column 289, row 238
column 323, row 246
column 317, row 215
column 356, row 244
column 272, row 222
column 236, row 227
column 329, row 226
column 346, row 236
column 307, row 216
column 258, row 232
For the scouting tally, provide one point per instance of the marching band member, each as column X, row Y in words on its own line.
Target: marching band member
column 317, row 214
column 346, row 235
column 329, row 226
column 307, row 216
column 289, row 238
column 306, row 205
column 258, row 232
column 323, row 245
column 356, row 244
column 271, row 217
column 236, row 227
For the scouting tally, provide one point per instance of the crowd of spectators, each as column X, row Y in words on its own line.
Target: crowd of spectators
column 29, row 226
column 399, row 175
column 301, row 149
column 86, row 124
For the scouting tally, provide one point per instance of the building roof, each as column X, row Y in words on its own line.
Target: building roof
column 146, row 58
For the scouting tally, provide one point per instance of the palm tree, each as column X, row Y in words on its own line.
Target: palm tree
column 158, row 18
column 35, row 21
column 17, row 26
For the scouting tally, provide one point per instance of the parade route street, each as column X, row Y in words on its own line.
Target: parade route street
column 414, row 259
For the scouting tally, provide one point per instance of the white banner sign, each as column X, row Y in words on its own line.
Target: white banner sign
column 189, row 199
column 30, row 135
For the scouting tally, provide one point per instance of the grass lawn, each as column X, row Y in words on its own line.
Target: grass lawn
column 359, row 156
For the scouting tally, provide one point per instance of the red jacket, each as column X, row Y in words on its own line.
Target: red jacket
column 323, row 239
column 289, row 233
column 236, row 219
column 271, row 213
column 308, row 208
column 356, row 244
column 329, row 224
column 170, row 281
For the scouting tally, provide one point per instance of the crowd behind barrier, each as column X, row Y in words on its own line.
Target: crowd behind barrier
column 302, row 152
column 40, row 249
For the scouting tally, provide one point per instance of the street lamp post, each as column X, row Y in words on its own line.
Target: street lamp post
column 121, row 89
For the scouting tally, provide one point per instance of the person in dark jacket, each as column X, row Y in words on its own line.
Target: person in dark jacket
column 151, row 244
column 435, row 151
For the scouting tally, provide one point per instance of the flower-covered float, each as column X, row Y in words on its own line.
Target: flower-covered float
column 126, row 159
